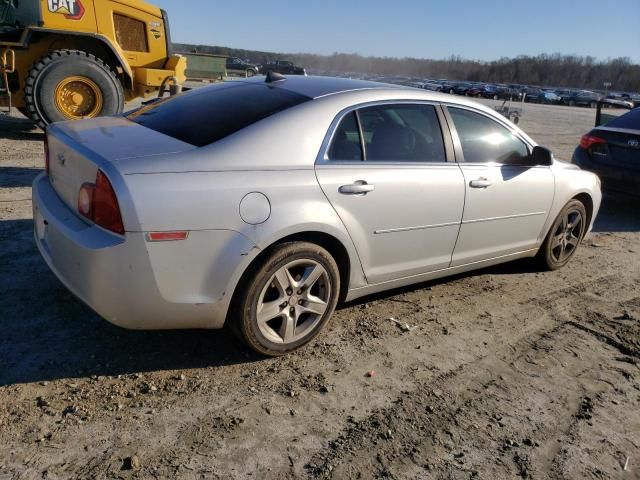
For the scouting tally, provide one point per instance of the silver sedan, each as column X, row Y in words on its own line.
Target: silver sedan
column 262, row 204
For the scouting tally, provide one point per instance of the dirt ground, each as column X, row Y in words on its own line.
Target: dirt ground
column 509, row 372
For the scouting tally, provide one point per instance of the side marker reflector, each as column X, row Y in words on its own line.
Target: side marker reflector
column 166, row 236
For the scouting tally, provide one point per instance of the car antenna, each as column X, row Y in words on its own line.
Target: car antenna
column 274, row 77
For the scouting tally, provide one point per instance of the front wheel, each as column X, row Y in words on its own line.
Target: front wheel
column 286, row 302
column 564, row 237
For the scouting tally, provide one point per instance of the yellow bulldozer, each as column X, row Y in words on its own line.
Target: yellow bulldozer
column 75, row 59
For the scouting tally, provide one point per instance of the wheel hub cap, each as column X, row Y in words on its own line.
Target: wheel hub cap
column 294, row 301
column 78, row 97
column 567, row 236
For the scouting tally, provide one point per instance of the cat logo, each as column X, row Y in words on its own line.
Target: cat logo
column 71, row 9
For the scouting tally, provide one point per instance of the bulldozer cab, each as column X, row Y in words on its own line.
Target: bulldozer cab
column 17, row 14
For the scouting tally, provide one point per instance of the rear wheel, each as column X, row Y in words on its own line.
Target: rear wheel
column 251, row 73
column 71, row 85
column 564, row 237
column 285, row 303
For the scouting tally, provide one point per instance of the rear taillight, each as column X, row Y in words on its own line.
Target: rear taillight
column 46, row 155
column 106, row 211
column 98, row 203
column 588, row 141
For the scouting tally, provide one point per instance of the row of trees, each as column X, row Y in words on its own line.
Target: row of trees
column 543, row 70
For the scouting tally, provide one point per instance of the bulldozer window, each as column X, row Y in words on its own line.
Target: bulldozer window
column 130, row 33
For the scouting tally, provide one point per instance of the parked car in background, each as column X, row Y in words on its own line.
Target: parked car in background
column 476, row 91
column 460, row 88
column 284, row 67
column 506, row 92
column 582, row 98
column 612, row 151
column 436, row 86
column 237, row 66
column 444, row 86
column 531, row 94
column 549, row 97
column 564, row 94
column 621, row 97
column 483, row 90
column 261, row 204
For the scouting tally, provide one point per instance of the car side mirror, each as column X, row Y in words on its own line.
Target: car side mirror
column 541, row 156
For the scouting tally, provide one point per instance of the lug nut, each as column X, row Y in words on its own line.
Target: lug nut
column 289, row 291
column 299, row 302
column 299, row 292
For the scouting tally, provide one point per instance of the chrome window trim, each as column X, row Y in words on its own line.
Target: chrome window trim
column 322, row 158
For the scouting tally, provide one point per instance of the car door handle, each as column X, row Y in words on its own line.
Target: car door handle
column 480, row 183
column 357, row 188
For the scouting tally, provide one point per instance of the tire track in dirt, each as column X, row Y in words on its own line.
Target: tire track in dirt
column 322, row 464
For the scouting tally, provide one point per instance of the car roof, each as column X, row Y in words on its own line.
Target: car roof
column 316, row 87
column 352, row 90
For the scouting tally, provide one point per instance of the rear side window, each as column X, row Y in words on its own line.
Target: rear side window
column 484, row 140
column 402, row 133
column 630, row 120
column 346, row 141
column 206, row 115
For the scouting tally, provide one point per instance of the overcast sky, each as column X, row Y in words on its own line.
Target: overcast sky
column 474, row 29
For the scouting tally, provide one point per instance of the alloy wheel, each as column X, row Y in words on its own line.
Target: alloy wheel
column 293, row 301
column 567, row 235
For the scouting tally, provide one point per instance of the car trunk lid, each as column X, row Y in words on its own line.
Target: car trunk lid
column 78, row 149
column 623, row 147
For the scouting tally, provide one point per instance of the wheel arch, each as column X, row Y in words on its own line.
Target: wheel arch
column 327, row 241
column 95, row 44
column 586, row 196
column 587, row 201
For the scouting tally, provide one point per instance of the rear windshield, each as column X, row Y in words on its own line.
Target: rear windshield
column 630, row 120
column 206, row 115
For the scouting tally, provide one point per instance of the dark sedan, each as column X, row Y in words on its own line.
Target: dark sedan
column 612, row 151
column 584, row 98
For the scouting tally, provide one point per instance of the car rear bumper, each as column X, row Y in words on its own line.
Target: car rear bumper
column 613, row 177
column 133, row 283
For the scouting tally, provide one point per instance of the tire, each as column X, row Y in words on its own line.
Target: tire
column 553, row 253
column 451, row 91
column 251, row 73
column 267, row 299
column 572, row 103
column 45, row 87
column 593, row 105
column 516, row 120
